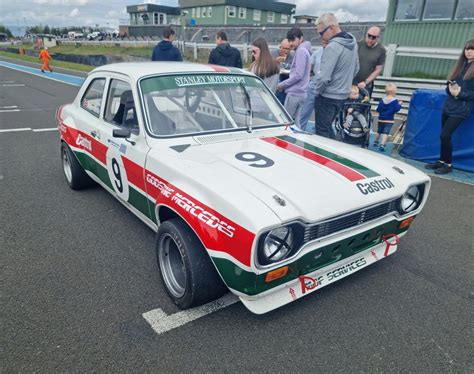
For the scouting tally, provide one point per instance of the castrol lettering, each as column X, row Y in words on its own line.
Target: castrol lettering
column 83, row 142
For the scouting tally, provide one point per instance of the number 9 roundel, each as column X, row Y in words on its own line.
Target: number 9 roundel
column 117, row 173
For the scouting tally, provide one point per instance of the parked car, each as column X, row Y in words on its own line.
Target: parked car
column 206, row 157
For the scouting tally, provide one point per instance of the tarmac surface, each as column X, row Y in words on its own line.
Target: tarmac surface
column 77, row 272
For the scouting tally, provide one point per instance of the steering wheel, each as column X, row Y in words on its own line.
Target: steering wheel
column 192, row 99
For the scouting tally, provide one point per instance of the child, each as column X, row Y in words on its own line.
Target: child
column 354, row 110
column 387, row 108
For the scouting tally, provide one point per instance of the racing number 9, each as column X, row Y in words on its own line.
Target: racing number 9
column 255, row 159
column 118, row 175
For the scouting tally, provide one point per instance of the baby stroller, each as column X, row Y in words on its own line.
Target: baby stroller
column 356, row 128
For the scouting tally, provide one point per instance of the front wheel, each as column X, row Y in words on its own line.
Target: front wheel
column 75, row 175
column 185, row 268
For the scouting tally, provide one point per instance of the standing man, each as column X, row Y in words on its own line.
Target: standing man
column 284, row 57
column 224, row 54
column 339, row 65
column 371, row 59
column 45, row 57
column 296, row 85
column 308, row 106
column 165, row 50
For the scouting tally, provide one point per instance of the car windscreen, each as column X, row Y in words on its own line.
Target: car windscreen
column 202, row 103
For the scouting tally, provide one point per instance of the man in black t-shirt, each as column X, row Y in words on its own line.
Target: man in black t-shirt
column 371, row 59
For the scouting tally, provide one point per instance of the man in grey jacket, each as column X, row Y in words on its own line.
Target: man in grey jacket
column 339, row 65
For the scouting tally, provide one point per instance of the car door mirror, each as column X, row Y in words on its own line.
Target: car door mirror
column 121, row 133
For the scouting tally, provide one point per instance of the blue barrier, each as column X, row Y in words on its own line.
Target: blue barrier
column 423, row 129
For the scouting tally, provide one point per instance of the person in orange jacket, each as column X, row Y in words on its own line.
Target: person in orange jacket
column 45, row 57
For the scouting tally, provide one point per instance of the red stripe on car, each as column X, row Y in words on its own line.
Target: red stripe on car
column 343, row 170
column 216, row 232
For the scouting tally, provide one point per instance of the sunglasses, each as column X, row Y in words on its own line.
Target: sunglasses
column 373, row 37
column 321, row 33
column 254, row 51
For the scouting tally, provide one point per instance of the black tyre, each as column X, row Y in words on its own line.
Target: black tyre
column 75, row 175
column 186, row 270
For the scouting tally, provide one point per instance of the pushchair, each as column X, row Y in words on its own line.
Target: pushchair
column 357, row 131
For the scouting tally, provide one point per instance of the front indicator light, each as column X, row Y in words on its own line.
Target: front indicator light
column 406, row 223
column 276, row 274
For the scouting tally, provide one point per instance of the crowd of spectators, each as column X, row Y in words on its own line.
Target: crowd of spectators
column 324, row 82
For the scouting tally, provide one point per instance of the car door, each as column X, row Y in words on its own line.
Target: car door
column 84, row 135
column 125, row 157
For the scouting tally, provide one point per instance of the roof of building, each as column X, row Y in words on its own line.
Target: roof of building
column 260, row 4
column 141, row 8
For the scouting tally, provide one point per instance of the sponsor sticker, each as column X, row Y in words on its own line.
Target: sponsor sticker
column 198, row 80
column 375, row 186
column 84, row 142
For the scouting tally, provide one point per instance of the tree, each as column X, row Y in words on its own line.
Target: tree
column 6, row 30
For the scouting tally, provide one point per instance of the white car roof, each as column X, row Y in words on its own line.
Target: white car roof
column 137, row 70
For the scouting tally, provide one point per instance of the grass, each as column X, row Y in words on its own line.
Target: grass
column 59, row 64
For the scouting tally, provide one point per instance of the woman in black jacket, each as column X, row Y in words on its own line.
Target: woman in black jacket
column 457, row 107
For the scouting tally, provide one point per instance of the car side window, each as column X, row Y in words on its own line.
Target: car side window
column 120, row 106
column 92, row 98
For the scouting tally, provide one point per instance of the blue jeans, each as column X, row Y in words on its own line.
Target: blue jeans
column 325, row 112
column 308, row 107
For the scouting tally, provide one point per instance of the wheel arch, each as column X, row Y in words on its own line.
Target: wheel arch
column 165, row 213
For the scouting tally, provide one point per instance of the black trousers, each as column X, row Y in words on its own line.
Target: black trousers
column 448, row 126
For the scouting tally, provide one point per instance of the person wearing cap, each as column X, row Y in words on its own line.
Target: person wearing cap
column 45, row 57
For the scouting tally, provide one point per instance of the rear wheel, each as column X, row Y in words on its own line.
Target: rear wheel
column 75, row 175
column 185, row 268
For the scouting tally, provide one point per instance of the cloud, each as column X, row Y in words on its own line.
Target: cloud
column 345, row 10
column 74, row 13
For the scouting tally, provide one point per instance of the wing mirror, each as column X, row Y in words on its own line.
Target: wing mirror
column 123, row 133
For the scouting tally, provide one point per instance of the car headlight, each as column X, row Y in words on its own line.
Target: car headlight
column 411, row 199
column 279, row 244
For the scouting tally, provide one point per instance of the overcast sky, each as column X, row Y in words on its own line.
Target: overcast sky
column 108, row 12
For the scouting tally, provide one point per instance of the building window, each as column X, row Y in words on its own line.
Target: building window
column 209, row 11
column 198, row 12
column 257, row 14
column 204, row 12
column 270, row 16
column 284, row 18
column 231, row 11
column 193, row 13
column 465, row 9
column 408, row 10
column 438, row 9
column 242, row 12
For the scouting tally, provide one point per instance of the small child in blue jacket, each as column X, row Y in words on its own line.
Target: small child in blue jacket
column 387, row 108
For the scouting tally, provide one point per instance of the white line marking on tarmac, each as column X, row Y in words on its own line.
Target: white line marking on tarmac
column 16, row 130
column 9, row 107
column 49, row 129
column 13, row 85
column 161, row 322
column 9, row 110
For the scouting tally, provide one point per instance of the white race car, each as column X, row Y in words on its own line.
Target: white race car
column 206, row 156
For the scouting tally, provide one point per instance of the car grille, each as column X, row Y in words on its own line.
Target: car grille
column 347, row 221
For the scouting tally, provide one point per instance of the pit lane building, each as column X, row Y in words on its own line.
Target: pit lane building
column 212, row 13
column 430, row 24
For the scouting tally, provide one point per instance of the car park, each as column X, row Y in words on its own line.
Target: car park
column 208, row 158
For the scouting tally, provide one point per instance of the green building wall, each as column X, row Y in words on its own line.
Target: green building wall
column 441, row 34
column 219, row 17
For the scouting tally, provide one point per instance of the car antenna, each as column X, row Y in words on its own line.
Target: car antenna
column 249, row 107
